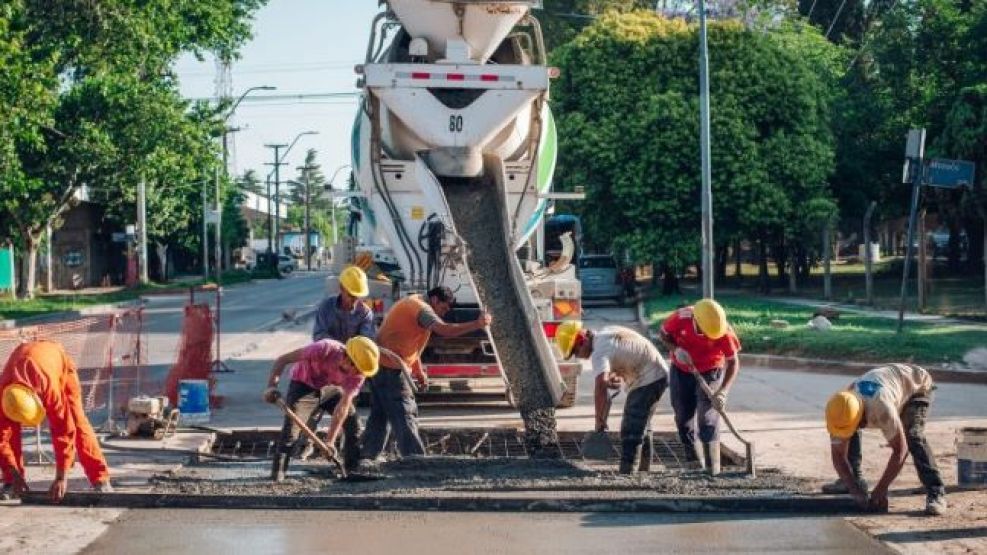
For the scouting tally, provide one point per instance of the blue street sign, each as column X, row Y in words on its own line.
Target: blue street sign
column 949, row 173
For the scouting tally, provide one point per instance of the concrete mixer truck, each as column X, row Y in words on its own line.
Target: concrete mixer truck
column 454, row 149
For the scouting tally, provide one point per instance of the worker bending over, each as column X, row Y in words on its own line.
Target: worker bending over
column 342, row 317
column 621, row 357
column 701, row 341
column 326, row 376
column 405, row 332
column 894, row 399
column 39, row 381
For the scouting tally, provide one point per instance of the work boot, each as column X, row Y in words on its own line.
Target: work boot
column 646, row 451
column 7, row 493
column 839, row 488
column 694, row 456
column 626, row 467
column 711, row 454
column 279, row 467
column 935, row 504
column 103, row 487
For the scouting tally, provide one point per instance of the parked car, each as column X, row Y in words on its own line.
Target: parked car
column 286, row 264
column 601, row 278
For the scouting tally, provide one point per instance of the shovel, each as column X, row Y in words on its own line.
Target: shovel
column 597, row 446
column 748, row 445
column 321, row 445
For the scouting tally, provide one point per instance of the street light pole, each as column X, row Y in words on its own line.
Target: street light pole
column 707, row 193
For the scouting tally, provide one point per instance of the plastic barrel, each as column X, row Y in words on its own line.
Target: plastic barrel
column 971, row 458
column 193, row 400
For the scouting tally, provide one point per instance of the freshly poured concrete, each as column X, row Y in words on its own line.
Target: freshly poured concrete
column 154, row 532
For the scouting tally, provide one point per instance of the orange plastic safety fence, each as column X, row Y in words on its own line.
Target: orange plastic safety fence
column 107, row 350
column 194, row 360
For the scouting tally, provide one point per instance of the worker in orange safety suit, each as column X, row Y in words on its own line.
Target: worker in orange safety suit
column 38, row 381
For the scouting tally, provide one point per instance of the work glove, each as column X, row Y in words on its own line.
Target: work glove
column 271, row 395
column 331, row 453
column 719, row 400
column 683, row 357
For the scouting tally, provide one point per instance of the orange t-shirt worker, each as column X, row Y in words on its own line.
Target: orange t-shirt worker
column 38, row 381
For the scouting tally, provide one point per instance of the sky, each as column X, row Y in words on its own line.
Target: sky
column 302, row 47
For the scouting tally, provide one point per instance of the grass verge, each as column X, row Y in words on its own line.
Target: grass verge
column 13, row 309
column 854, row 337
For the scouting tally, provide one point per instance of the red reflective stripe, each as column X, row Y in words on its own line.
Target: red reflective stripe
column 420, row 75
column 488, row 77
column 455, row 77
column 462, row 370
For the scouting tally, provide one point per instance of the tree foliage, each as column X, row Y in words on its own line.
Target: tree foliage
column 88, row 99
column 629, row 131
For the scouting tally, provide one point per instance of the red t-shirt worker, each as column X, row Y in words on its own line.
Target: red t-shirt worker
column 702, row 343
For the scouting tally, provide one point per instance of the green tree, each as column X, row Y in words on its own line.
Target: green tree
column 62, row 62
column 629, row 133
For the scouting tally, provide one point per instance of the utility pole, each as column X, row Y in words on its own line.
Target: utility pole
column 868, row 254
column 142, row 223
column 306, row 173
column 205, row 231
column 270, row 219
column 218, row 247
column 707, row 193
column 827, row 257
column 277, row 189
column 914, row 155
column 332, row 200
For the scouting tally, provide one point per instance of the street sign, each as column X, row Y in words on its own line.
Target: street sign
column 212, row 216
column 949, row 173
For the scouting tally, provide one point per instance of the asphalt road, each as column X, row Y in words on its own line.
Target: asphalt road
column 244, row 532
column 246, row 310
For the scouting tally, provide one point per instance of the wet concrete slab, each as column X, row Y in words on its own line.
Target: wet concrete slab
column 154, row 532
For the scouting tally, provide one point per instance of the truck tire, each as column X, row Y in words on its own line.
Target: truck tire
column 569, row 395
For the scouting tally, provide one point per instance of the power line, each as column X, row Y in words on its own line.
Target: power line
column 272, row 97
column 835, row 18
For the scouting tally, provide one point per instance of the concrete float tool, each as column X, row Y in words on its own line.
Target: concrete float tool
column 748, row 445
column 597, row 446
column 321, row 445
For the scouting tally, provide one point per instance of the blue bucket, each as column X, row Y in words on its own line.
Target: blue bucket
column 193, row 400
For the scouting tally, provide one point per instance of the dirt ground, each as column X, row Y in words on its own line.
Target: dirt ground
column 907, row 530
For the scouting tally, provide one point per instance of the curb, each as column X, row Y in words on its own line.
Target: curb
column 843, row 368
column 835, row 367
column 65, row 315
column 825, row 505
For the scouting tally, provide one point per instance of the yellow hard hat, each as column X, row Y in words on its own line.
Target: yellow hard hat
column 22, row 405
column 566, row 335
column 364, row 354
column 710, row 318
column 843, row 414
column 354, row 281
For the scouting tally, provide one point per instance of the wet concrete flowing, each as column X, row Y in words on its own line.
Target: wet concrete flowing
column 478, row 214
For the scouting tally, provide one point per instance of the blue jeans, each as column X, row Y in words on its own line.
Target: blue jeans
column 392, row 408
column 690, row 404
